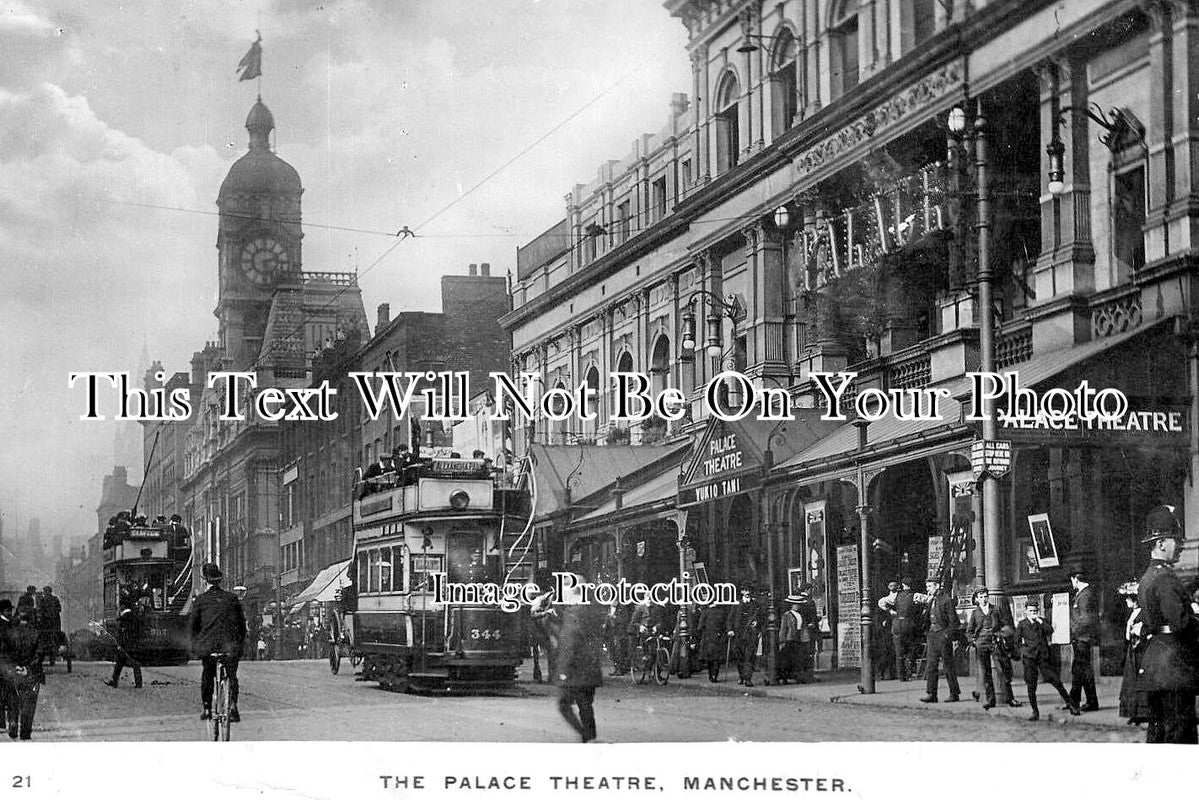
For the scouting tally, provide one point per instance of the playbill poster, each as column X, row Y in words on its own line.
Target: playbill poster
column 515, row 398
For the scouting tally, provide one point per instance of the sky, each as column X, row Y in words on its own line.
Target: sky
column 118, row 122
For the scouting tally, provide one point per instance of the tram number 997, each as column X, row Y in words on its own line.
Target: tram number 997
column 485, row 633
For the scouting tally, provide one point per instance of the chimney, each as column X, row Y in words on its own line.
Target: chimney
column 473, row 269
column 384, row 317
column 121, row 474
column 679, row 103
column 485, row 269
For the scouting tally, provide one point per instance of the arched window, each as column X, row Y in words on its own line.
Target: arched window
column 1128, row 197
column 591, row 426
column 558, row 427
column 843, row 47
column 728, row 139
column 659, row 365
column 784, row 93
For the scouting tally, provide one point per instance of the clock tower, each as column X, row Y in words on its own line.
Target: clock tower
column 258, row 241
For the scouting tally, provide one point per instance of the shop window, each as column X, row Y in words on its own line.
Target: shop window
column 843, row 47
column 783, row 84
column 728, row 142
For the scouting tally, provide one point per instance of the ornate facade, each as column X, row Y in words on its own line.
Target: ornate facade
column 819, row 211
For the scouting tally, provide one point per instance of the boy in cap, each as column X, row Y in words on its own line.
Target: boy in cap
column 1033, row 634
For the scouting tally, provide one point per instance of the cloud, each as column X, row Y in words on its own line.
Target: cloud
column 87, row 275
column 390, row 111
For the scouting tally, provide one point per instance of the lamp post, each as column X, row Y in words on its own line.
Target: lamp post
column 867, row 607
column 986, row 333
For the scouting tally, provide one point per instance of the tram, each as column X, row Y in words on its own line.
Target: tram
column 151, row 565
column 451, row 517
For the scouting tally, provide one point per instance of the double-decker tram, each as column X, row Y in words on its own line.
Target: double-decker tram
column 447, row 517
column 147, row 567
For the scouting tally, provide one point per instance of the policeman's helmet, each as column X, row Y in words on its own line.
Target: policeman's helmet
column 1162, row 523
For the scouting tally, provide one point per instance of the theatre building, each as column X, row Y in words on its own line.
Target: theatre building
column 813, row 207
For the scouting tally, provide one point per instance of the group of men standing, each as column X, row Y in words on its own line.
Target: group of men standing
column 29, row 634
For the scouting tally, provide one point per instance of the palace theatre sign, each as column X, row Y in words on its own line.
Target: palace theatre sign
column 726, row 462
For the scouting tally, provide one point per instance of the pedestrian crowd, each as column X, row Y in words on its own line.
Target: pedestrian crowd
column 30, row 636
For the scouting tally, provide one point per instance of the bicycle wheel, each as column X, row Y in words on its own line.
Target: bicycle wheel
column 334, row 658
column 225, row 707
column 662, row 666
column 218, row 708
column 647, row 664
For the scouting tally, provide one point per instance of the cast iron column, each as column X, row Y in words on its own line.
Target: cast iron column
column 986, row 336
column 867, row 612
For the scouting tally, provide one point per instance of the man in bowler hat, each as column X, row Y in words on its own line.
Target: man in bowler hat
column 1170, row 665
column 1084, row 634
column 218, row 625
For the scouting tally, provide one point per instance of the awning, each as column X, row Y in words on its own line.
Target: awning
column 889, row 430
column 587, row 469
column 324, row 586
column 658, row 489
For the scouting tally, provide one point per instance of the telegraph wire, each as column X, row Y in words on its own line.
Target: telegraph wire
column 413, row 232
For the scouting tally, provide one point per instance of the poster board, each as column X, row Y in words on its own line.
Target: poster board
column 849, row 627
column 1061, row 618
column 1042, row 541
column 795, row 580
column 936, row 548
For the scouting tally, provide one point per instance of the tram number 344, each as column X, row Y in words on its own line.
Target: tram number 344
column 484, row 633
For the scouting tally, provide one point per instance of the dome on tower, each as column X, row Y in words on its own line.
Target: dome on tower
column 260, row 171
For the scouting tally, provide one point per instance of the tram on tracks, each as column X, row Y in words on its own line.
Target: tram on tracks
column 452, row 517
column 151, row 566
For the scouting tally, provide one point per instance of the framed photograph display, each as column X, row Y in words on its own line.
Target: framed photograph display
column 795, row 580
column 1043, row 544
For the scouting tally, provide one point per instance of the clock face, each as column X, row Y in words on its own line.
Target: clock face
column 263, row 260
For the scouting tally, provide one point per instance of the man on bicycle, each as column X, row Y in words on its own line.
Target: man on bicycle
column 218, row 625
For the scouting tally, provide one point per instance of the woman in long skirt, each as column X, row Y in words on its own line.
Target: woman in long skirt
column 1134, row 702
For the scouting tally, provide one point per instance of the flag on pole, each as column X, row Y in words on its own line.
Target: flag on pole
column 250, row 65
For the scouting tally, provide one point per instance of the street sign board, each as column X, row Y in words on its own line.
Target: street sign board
column 990, row 457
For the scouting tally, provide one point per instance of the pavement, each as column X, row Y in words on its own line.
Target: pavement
column 301, row 700
column 842, row 686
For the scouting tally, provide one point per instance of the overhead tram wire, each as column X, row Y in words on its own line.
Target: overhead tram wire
column 337, row 295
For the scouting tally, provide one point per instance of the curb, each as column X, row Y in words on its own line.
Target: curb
column 1051, row 716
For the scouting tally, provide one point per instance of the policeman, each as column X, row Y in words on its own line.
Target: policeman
column 1170, row 666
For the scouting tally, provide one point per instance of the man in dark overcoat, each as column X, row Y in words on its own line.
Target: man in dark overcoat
column 49, row 621
column 714, row 638
column 745, row 624
column 23, row 672
column 944, row 629
column 218, row 625
column 580, row 651
column 1170, row 665
column 1084, row 634
column 130, row 627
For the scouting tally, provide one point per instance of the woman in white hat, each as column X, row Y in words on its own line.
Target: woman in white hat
column 796, row 638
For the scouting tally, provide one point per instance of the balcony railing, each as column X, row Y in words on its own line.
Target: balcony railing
column 329, row 278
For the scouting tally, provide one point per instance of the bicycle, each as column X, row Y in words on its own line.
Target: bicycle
column 220, row 700
column 655, row 657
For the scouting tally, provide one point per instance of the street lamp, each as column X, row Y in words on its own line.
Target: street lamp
column 986, row 334
column 1113, row 122
column 719, row 308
